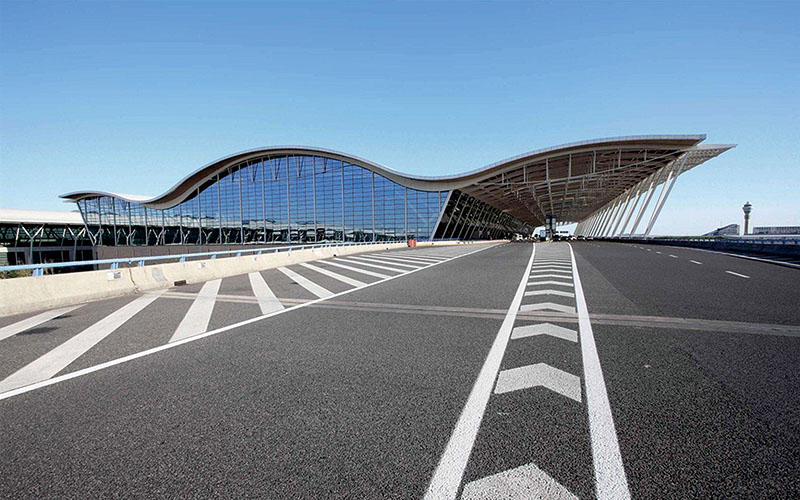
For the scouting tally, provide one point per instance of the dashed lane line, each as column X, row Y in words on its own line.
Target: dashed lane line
column 609, row 473
column 449, row 472
column 59, row 358
column 695, row 262
column 34, row 321
column 739, row 275
column 267, row 301
column 198, row 316
column 673, row 256
column 306, row 283
column 172, row 345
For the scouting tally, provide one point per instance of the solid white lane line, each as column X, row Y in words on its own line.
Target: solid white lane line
column 539, row 375
column 695, row 262
column 33, row 321
column 450, row 470
column 376, row 266
column 164, row 347
column 59, row 358
column 516, row 484
column 331, row 274
column 549, row 282
column 543, row 306
column 306, row 283
column 560, row 332
column 737, row 274
column 199, row 314
column 549, row 292
column 356, row 269
column 609, row 472
column 390, row 262
column 267, row 300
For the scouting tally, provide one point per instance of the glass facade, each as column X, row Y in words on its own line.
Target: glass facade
column 296, row 199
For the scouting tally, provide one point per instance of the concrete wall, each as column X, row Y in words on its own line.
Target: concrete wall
column 20, row 295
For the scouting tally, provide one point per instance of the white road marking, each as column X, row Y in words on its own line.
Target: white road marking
column 356, row 269
column 450, row 470
column 522, row 332
column 385, row 258
column 609, row 472
column 33, row 321
column 382, row 261
column 306, row 283
column 649, row 250
column 549, row 282
column 561, row 276
column 673, row 256
column 539, row 375
column 737, row 274
column 199, row 314
column 331, row 274
column 524, row 482
column 408, row 259
column 59, row 358
column 553, row 269
column 267, row 300
column 658, row 252
column 695, row 262
column 549, row 292
column 543, row 306
column 376, row 266
column 164, row 347
column 437, row 258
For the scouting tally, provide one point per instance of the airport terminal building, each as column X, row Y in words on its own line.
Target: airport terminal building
column 301, row 194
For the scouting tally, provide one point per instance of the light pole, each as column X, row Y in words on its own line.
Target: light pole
column 747, row 208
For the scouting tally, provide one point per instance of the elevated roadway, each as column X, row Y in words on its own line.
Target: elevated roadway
column 583, row 370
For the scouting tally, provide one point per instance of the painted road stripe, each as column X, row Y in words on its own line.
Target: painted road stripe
column 331, row 274
column 59, row 358
column 558, row 269
column 543, row 306
column 306, row 283
column 419, row 256
column 447, row 478
column 355, row 269
column 199, row 314
column 695, row 262
column 549, row 282
column 390, row 262
column 737, row 274
column 399, row 261
column 409, row 259
column 267, row 300
column 376, row 266
column 658, row 252
column 524, row 482
column 561, row 276
column 522, row 332
column 673, row 256
column 164, row 347
column 609, row 472
column 33, row 321
column 549, row 292
column 539, row 375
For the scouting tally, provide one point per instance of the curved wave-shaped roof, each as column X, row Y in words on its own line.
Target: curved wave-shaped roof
column 184, row 188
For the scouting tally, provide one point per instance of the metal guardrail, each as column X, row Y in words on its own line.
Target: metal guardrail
column 38, row 269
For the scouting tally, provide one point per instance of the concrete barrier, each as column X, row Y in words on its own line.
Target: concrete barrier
column 33, row 293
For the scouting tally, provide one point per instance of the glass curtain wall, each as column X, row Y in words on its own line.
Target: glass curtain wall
column 275, row 200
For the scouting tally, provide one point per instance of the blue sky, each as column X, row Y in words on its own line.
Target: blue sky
column 132, row 96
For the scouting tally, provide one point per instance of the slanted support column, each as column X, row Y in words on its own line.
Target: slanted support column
column 664, row 195
column 612, row 210
column 645, row 203
column 622, row 213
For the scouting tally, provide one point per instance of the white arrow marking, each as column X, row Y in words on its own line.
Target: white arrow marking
column 537, row 375
column 550, row 282
column 563, row 276
column 527, row 481
column 549, row 292
column 547, row 305
column 521, row 332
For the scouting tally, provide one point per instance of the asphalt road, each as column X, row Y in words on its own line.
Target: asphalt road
column 449, row 372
